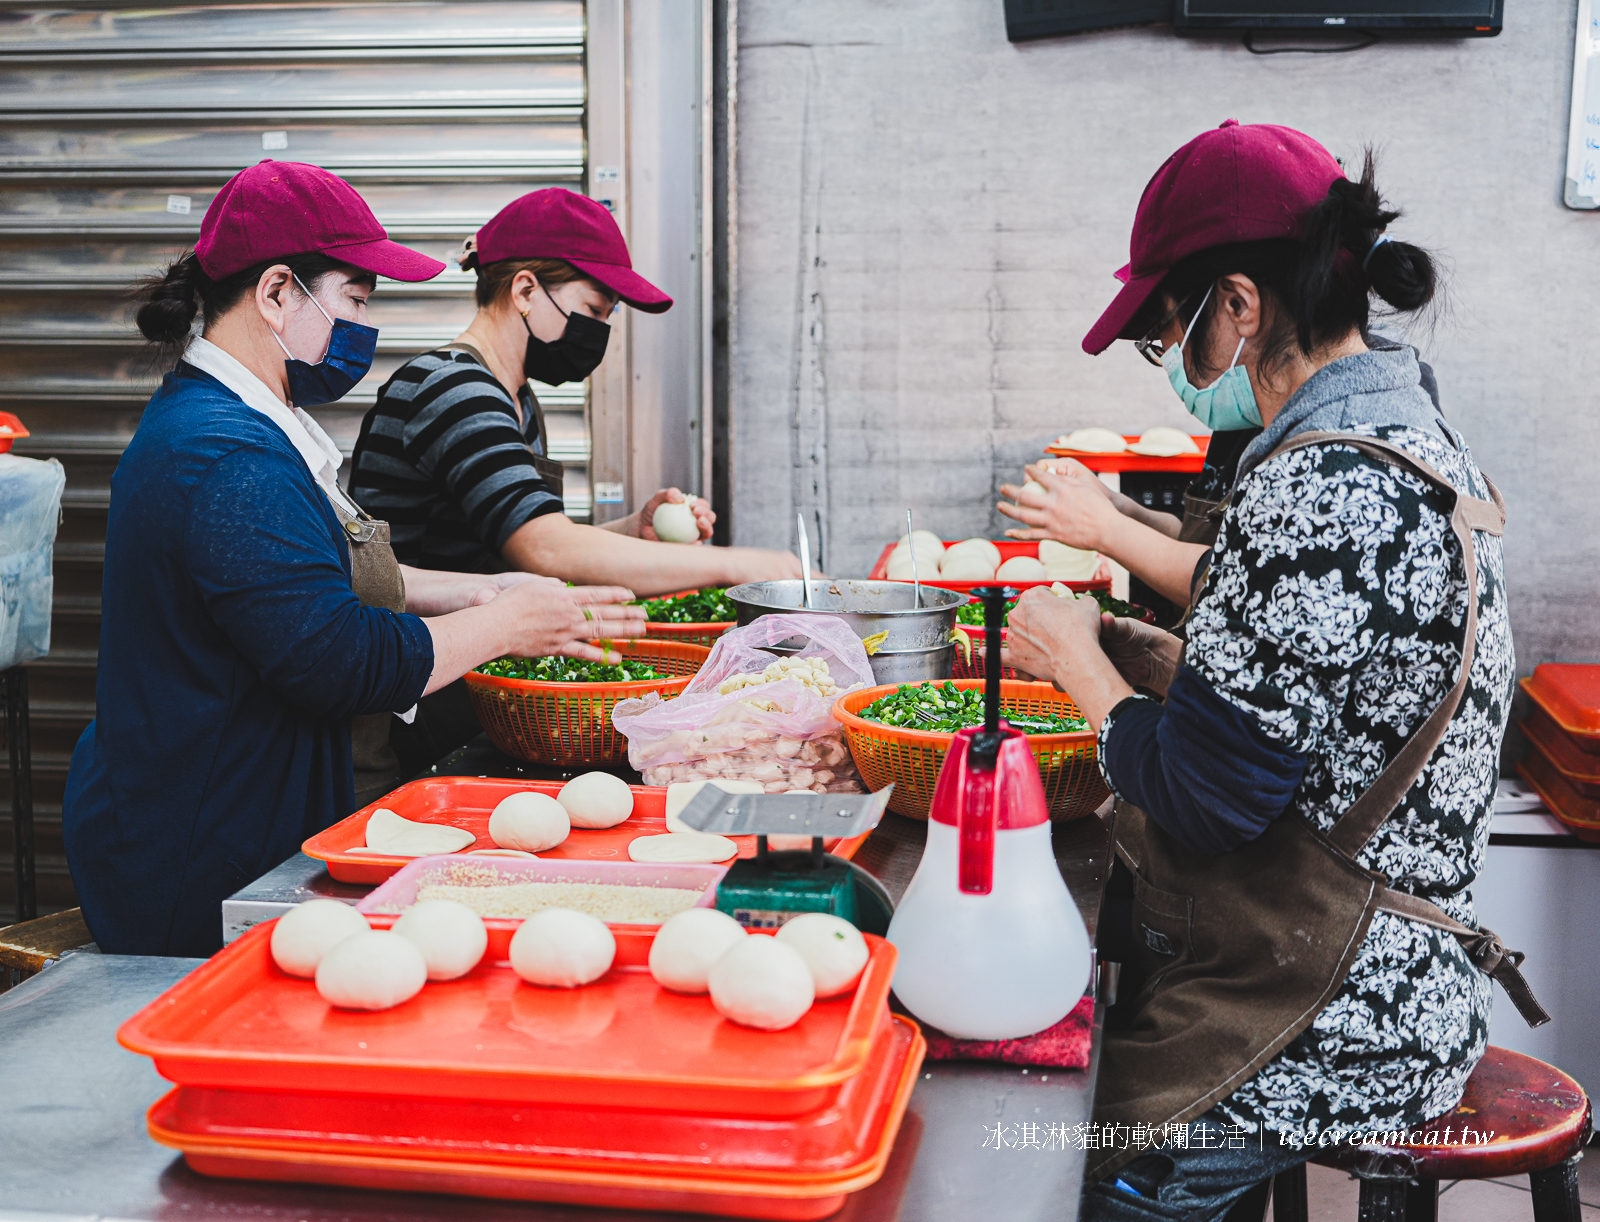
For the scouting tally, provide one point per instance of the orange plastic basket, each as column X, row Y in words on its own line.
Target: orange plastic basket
column 691, row 634
column 911, row 759
column 695, row 634
column 570, row 723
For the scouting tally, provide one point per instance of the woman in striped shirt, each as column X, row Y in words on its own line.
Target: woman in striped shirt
column 453, row 455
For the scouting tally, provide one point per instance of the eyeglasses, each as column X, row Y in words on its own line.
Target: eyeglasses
column 1150, row 346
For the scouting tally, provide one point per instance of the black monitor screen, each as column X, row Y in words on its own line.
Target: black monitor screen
column 1477, row 16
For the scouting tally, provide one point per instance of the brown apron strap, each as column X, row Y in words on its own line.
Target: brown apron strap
column 1483, row 945
column 1366, row 814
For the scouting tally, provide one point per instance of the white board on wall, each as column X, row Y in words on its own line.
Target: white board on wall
column 1583, row 132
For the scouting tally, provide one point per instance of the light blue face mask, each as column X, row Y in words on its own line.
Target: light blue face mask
column 1229, row 402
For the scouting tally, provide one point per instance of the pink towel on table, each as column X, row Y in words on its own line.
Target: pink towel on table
column 1063, row 1046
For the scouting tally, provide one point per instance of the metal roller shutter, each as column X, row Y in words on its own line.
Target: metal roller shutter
column 122, row 122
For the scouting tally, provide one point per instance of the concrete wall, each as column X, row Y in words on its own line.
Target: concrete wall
column 929, row 216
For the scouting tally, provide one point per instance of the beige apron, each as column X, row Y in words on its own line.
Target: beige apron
column 375, row 577
column 1228, row 958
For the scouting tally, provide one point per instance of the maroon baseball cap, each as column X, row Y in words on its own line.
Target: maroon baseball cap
column 282, row 208
column 558, row 224
column 1237, row 183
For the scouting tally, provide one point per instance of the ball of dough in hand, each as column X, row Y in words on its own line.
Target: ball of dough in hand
column 376, row 970
column 451, row 936
column 562, row 949
column 596, row 799
column 308, row 931
column 1020, row 568
column 674, row 522
column 833, row 949
column 688, row 944
column 529, row 821
column 759, row 982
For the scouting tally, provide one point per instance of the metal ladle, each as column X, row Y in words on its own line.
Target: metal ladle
column 805, row 563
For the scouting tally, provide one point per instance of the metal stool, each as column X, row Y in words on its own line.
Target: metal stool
column 1537, row 1118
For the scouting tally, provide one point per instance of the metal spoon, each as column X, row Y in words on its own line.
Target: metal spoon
column 915, row 580
column 805, row 562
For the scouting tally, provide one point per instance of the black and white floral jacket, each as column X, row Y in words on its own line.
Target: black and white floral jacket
column 1332, row 613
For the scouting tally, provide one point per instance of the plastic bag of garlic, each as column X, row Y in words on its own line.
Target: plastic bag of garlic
column 749, row 716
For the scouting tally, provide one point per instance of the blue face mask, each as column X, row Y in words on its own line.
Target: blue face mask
column 1228, row 403
column 349, row 356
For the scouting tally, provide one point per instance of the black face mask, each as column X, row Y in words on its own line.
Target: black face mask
column 571, row 358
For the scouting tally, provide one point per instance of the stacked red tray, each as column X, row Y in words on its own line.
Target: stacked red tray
column 1563, row 733
column 618, row 1094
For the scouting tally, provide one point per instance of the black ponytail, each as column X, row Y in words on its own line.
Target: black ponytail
column 1321, row 282
column 168, row 303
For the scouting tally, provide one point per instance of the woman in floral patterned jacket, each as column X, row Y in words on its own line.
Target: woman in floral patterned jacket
column 1326, row 625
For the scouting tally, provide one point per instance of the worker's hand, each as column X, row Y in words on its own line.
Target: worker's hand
column 1047, row 631
column 540, row 620
column 703, row 515
column 1075, row 508
column 489, row 587
column 1144, row 655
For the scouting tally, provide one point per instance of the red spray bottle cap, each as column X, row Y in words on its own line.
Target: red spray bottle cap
column 990, row 780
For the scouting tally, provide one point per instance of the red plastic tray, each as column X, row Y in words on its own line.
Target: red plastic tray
column 1008, row 549
column 1580, row 769
column 239, row 1023
column 1579, row 813
column 830, row 1141
column 467, row 801
column 1570, row 694
column 709, row 1190
column 1136, row 462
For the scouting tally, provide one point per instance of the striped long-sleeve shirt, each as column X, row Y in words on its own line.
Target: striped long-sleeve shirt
column 442, row 459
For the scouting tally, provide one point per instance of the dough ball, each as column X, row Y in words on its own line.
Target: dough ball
column 500, row 853
column 308, row 931
column 680, row 848
column 833, row 949
column 1093, row 441
column 921, row 538
column 451, row 936
column 900, row 567
column 982, row 547
column 966, row 566
column 376, row 970
column 388, row 833
column 674, row 522
column 596, row 799
column 1164, row 442
column 562, row 949
column 681, row 793
column 1020, row 568
column 1063, row 563
column 760, row 982
column 529, row 821
column 1034, row 485
column 688, row 944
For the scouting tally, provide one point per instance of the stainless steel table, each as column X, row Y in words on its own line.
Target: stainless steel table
column 73, row 1142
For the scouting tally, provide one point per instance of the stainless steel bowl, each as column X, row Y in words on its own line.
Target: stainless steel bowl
column 918, row 645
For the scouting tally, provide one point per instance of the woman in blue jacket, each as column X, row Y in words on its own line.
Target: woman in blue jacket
column 251, row 612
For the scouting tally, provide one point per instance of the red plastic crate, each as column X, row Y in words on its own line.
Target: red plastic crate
column 1008, row 549
column 467, row 802
column 1108, row 463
